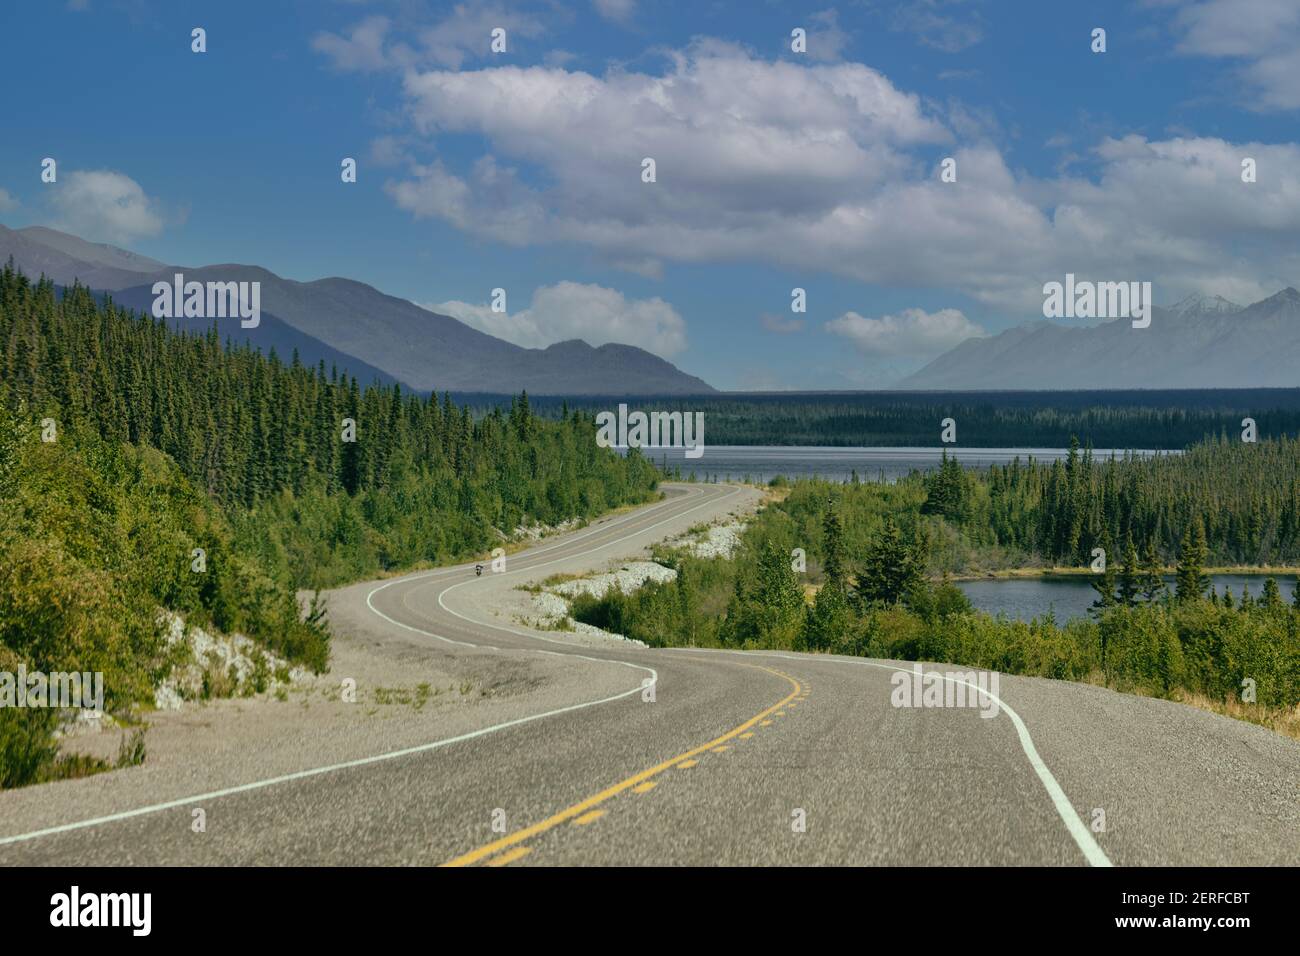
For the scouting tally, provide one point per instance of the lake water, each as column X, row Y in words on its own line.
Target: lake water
column 1027, row 598
column 764, row 462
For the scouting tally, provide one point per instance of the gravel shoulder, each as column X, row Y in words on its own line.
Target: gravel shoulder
column 410, row 689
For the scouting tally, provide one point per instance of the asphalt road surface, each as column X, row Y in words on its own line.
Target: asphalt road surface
column 679, row 756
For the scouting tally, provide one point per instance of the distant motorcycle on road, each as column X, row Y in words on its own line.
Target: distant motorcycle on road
column 478, row 570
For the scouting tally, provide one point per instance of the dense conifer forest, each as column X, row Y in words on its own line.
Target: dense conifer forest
column 1155, row 419
column 125, row 446
column 1245, row 496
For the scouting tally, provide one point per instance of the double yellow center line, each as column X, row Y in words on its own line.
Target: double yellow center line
column 635, row 781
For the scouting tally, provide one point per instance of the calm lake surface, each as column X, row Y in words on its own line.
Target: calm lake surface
column 764, row 462
column 1027, row 598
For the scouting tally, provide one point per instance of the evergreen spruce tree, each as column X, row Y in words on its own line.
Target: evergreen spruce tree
column 833, row 568
column 1129, row 585
column 892, row 567
column 947, row 491
column 767, row 606
column 1151, row 581
column 828, row 620
column 1104, row 583
column 1191, row 579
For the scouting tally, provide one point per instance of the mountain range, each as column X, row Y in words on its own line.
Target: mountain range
column 356, row 327
column 1201, row 342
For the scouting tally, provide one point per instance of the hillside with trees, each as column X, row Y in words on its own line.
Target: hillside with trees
column 126, row 446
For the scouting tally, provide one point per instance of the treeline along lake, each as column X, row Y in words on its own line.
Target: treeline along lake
column 1157, row 419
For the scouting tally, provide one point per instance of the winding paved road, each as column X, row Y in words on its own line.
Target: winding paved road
column 710, row 757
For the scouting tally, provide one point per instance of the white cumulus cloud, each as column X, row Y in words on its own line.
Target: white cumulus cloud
column 465, row 33
column 104, row 205
column 574, row 310
column 361, row 50
column 831, row 168
column 729, row 134
column 912, row 333
column 1262, row 36
column 826, row 39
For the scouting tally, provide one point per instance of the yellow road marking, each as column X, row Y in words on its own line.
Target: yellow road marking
column 578, row 809
column 511, row 856
column 779, row 713
column 687, row 764
column 766, row 723
column 645, row 787
column 747, row 735
column 588, row 817
column 718, row 750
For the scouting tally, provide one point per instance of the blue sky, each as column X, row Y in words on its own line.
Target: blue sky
column 522, row 170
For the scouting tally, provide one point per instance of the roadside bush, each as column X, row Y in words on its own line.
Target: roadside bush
column 28, row 747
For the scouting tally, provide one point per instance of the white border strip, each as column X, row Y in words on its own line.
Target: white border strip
column 1083, row 838
column 421, row 748
column 304, row 774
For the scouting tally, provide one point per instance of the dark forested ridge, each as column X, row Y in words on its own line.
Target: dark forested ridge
column 126, row 445
column 247, row 427
column 355, row 325
column 1244, row 495
column 1155, row 419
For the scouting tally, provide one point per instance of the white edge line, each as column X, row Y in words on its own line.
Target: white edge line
column 545, row 564
column 1083, row 838
column 303, row 774
column 394, row 754
column 601, row 524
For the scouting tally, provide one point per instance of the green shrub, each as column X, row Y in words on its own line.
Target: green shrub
column 28, row 747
